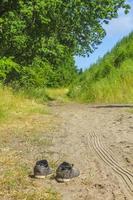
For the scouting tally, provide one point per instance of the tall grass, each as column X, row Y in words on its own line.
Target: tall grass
column 25, row 102
column 58, row 94
column 110, row 80
column 15, row 105
column 42, row 95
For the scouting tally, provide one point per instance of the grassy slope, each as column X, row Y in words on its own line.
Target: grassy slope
column 110, row 80
column 24, row 127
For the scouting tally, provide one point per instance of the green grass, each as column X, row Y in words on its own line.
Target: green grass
column 42, row 95
column 58, row 94
column 15, row 183
column 38, row 94
column 25, row 134
column 17, row 161
column 14, row 105
column 110, row 80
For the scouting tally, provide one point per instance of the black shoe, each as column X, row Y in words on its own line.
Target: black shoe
column 66, row 171
column 42, row 169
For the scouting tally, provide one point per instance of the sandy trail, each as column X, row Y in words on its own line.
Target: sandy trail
column 99, row 141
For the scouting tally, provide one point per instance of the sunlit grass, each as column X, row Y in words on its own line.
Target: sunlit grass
column 110, row 79
column 58, row 94
column 15, row 183
column 25, row 133
column 117, row 87
column 15, row 105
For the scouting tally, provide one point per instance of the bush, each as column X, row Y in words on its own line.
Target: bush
column 39, row 74
column 9, row 70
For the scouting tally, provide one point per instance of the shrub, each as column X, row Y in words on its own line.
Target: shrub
column 9, row 70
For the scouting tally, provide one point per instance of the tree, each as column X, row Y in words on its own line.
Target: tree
column 53, row 29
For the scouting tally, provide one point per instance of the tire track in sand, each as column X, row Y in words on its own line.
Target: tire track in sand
column 104, row 154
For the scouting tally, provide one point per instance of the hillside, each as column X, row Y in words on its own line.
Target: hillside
column 110, row 80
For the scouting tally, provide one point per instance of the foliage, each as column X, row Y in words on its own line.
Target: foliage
column 65, row 73
column 38, row 74
column 9, row 70
column 110, row 79
column 42, row 37
column 51, row 28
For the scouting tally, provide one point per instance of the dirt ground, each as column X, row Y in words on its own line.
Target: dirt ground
column 99, row 141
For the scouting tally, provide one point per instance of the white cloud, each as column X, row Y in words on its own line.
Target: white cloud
column 116, row 30
column 121, row 25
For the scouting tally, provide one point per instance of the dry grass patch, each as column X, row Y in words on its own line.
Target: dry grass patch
column 19, row 150
column 26, row 132
column 15, row 183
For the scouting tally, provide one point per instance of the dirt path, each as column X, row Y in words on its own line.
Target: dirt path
column 99, row 141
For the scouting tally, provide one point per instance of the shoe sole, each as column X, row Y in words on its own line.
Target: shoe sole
column 62, row 180
column 42, row 177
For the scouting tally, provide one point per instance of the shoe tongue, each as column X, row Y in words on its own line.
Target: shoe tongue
column 66, row 165
column 42, row 163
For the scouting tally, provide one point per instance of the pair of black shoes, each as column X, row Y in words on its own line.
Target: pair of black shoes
column 64, row 172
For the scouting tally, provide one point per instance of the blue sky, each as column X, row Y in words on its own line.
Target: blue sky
column 115, row 31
